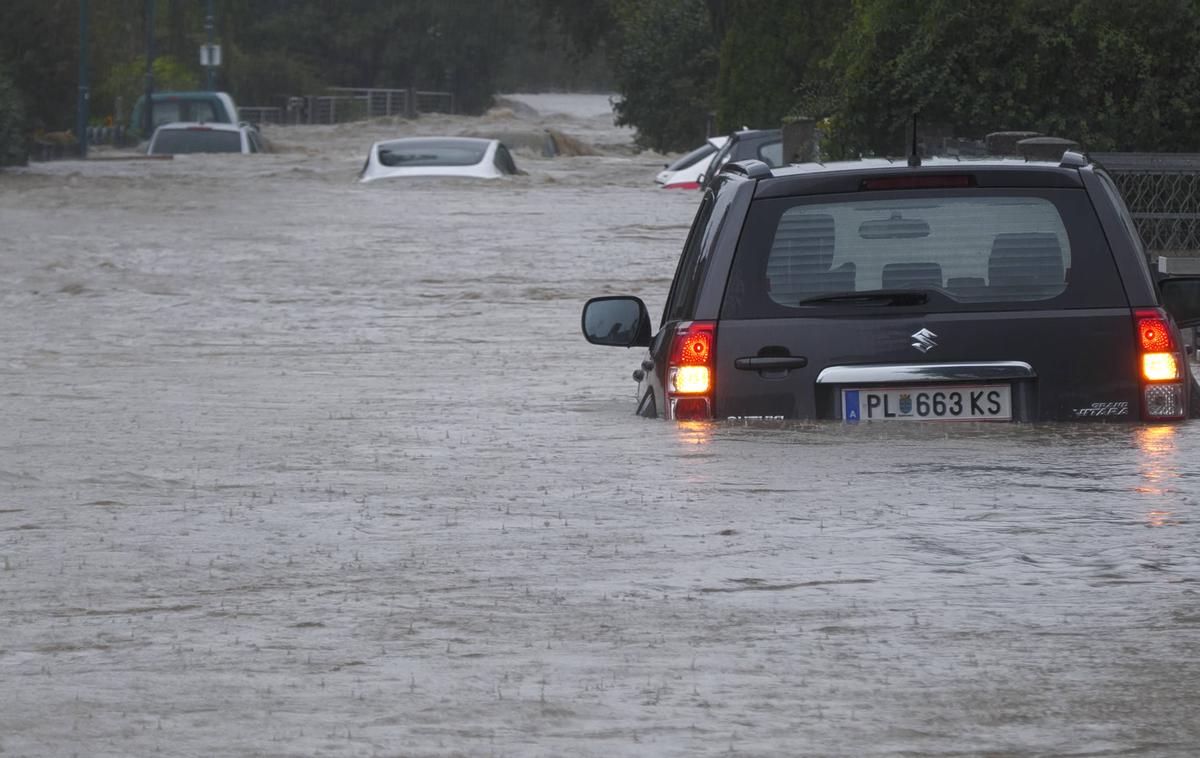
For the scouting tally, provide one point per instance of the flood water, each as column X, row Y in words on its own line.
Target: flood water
column 295, row 466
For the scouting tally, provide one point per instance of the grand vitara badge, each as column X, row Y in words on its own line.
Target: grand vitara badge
column 924, row 340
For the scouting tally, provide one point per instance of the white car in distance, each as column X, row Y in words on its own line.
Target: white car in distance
column 180, row 137
column 438, row 156
column 685, row 171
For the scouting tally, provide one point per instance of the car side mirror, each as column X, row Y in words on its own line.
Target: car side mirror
column 620, row 321
column 1181, row 298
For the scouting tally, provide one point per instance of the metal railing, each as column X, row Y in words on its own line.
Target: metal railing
column 341, row 104
column 1162, row 191
column 261, row 114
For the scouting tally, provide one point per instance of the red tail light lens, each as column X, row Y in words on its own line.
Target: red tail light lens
column 690, row 370
column 1164, row 394
column 1154, row 333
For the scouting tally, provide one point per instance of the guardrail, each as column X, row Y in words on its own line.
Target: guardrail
column 341, row 104
column 261, row 114
column 1162, row 191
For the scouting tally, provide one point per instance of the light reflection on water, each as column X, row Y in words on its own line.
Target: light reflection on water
column 1159, row 469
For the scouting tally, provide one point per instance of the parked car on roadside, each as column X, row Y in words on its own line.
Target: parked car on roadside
column 686, row 171
column 874, row 290
column 438, row 156
column 764, row 145
column 191, row 137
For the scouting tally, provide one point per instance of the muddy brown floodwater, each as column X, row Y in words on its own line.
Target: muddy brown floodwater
column 293, row 466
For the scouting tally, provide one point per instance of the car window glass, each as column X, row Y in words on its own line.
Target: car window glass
column 432, row 152
column 720, row 159
column 688, row 159
column 1114, row 195
column 771, row 154
column 165, row 113
column 974, row 249
column 504, row 161
column 683, row 286
column 176, row 141
column 202, row 111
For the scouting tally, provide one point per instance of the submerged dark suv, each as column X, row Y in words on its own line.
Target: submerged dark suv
column 875, row 290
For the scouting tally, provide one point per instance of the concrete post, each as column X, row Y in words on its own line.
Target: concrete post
column 1005, row 143
column 81, row 107
column 1045, row 148
column 800, row 140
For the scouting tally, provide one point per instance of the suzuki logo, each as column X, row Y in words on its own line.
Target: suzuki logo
column 924, row 340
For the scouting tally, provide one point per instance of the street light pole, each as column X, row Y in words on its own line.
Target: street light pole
column 81, row 109
column 148, row 109
column 208, row 27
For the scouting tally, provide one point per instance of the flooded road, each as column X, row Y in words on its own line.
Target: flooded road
column 291, row 465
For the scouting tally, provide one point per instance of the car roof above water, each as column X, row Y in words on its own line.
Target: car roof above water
column 847, row 176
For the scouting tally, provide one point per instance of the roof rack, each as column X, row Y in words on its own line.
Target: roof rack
column 751, row 169
column 1072, row 159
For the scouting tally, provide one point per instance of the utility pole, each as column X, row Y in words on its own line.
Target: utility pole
column 148, row 109
column 208, row 27
column 81, row 107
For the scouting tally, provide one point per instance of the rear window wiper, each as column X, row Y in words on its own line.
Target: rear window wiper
column 870, row 297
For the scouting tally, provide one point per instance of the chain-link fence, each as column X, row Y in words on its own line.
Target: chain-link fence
column 1162, row 191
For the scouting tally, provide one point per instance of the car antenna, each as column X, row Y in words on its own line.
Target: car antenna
column 914, row 157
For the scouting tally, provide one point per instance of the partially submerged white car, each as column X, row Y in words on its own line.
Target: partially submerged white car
column 179, row 137
column 438, row 156
column 685, row 171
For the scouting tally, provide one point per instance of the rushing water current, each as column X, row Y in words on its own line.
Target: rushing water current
column 291, row 465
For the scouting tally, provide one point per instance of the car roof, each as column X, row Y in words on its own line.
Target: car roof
column 478, row 141
column 194, row 94
column 216, row 126
column 846, row 176
column 751, row 133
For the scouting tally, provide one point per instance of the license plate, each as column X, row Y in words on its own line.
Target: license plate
column 985, row 402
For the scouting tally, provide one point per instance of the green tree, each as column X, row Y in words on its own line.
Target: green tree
column 1109, row 75
column 665, row 62
column 770, row 60
column 39, row 48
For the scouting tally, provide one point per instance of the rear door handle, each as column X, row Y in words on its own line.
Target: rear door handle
column 770, row 362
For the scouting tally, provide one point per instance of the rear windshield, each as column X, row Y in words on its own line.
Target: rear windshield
column 967, row 249
column 684, row 161
column 431, row 153
column 176, row 141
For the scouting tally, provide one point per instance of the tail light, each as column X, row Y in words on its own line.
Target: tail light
column 690, row 371
column 1161, row 366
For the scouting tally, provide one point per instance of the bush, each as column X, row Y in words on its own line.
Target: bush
column 125, row 82
column 14, row 150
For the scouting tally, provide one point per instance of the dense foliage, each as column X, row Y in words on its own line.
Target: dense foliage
column 665, row 63
column 1109, row 75
column 273, row 49
column 771, row 52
